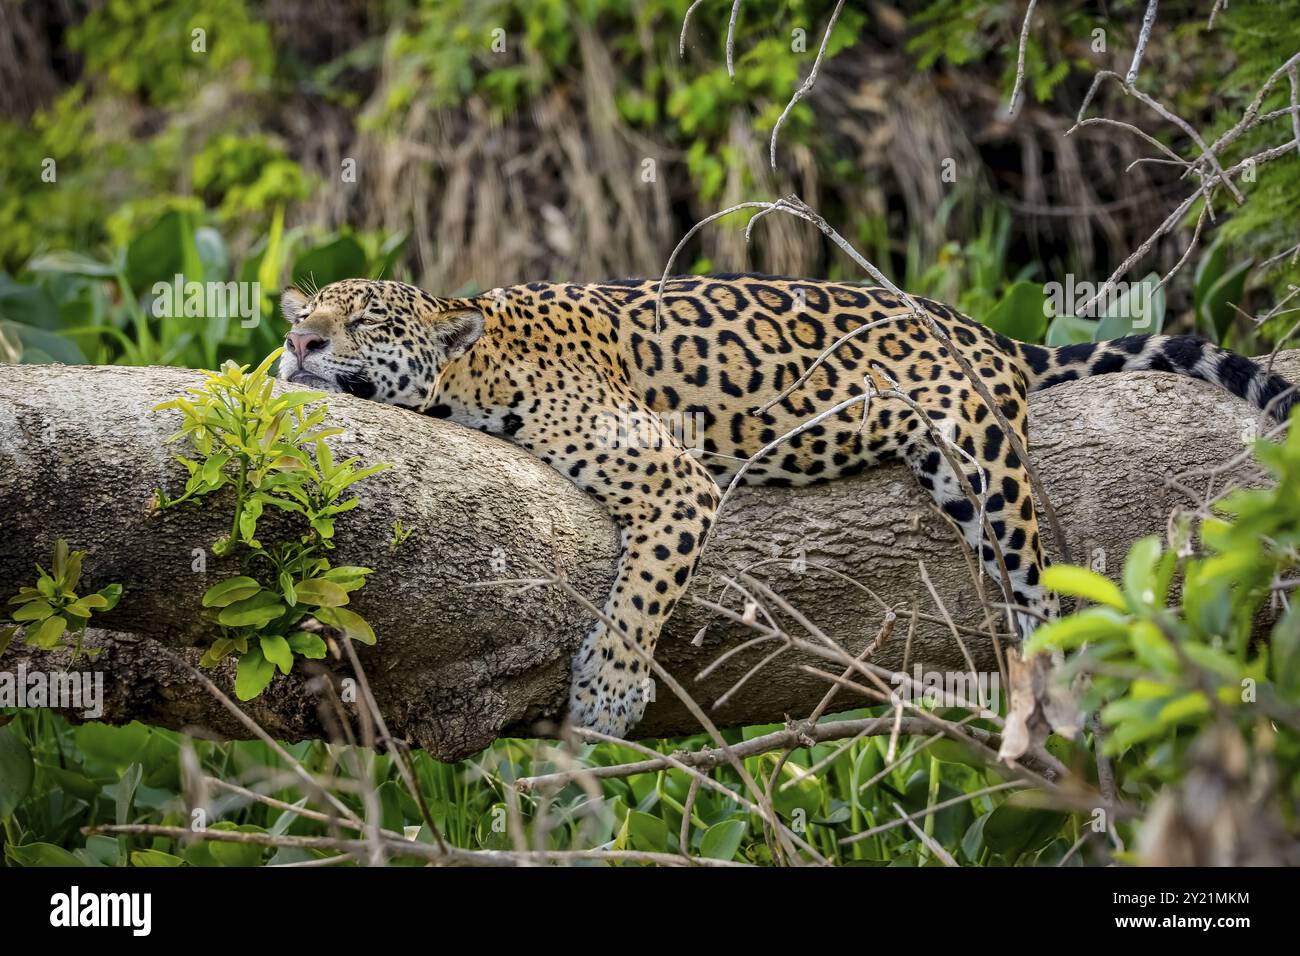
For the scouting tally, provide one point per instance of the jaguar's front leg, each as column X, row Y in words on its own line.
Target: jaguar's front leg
column 664, row 502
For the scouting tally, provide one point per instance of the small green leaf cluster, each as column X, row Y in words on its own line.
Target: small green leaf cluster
column 400, row 534
column 52, row 612
column 270, row 451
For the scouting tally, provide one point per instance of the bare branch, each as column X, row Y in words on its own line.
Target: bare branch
column 1148, row 21
column 808, row 83
column 731, row 39
column 1014, row 103
column 686, row 21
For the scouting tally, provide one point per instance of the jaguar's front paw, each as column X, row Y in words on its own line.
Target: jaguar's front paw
column 604, row 697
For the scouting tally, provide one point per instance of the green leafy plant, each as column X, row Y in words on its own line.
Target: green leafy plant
column 1164, row 667
column 1025, row 312
column 1217, row 287
column 270, row 451
column 52, row 613
column 1139, row 310
column 1020, row 314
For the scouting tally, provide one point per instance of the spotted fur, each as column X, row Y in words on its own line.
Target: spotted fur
column 582, row 377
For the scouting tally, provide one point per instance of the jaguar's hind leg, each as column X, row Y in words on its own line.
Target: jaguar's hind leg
column 988, row 462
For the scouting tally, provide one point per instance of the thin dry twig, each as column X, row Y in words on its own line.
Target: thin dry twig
column 808, row 83
column 686, row 22
column 400, row 757
column 1014, row 103
column 731, row 39
column 1148, row 21
column 926, row 839
column 942, row 805
column 254, row 728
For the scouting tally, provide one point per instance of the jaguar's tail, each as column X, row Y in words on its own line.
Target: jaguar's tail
column 1180, row 354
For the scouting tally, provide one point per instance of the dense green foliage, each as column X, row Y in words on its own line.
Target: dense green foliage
column 177, row 160
column 76, row 778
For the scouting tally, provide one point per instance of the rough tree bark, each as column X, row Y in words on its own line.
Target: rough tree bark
column 456, row 666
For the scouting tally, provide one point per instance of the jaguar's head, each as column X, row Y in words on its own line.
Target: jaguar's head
column 381, row 340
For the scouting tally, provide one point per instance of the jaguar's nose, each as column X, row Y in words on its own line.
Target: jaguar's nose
column 300, row 343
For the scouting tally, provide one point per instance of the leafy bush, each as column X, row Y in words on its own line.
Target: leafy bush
column 1164, row 666
column 270, row 450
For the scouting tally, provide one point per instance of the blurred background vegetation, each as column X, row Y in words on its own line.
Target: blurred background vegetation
column 465, row 145
column 468, row 144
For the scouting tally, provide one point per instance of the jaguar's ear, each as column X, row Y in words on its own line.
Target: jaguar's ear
column 292, row 302
column 457, row 331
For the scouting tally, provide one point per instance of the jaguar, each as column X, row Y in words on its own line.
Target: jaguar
column 792, row 382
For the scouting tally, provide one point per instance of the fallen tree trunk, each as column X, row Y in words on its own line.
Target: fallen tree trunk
column 457, row 665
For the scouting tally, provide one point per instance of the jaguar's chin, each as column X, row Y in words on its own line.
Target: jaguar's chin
column 309, row 380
